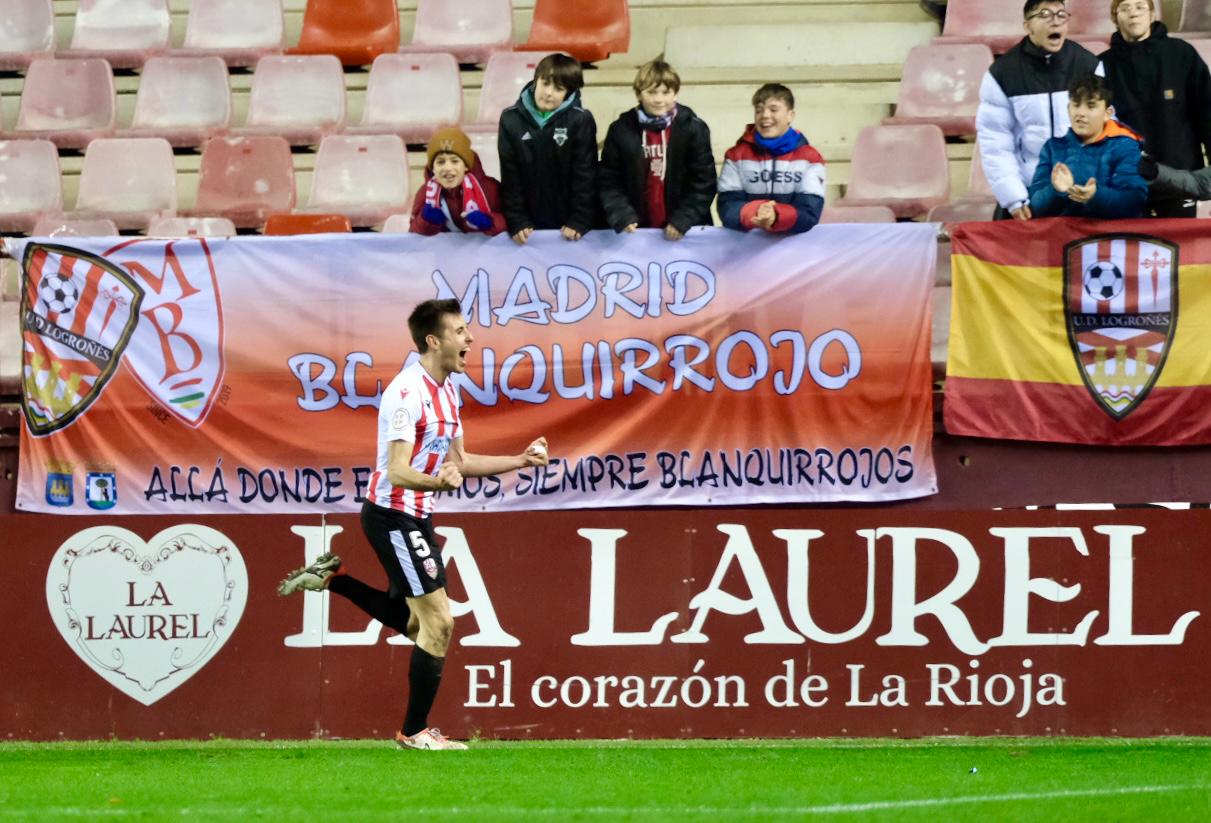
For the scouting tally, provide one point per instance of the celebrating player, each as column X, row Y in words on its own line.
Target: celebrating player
column 420, row 451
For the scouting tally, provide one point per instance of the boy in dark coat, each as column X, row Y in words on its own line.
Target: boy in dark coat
column 656, row 168
column 458, row 196
column 548, row 154
column 1096, row 150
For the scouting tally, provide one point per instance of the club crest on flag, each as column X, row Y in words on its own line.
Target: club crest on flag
column 78, row 313
column 1120, row 307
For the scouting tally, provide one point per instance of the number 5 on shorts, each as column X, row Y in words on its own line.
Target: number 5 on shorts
column 419, row 544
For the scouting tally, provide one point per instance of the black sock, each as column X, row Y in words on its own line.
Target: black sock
column 424, row 676
column 390, row 611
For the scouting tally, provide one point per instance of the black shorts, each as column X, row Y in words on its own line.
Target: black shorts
column 407, row 547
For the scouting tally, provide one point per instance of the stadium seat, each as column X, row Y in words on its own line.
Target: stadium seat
column 30, row 187
column 124, row 32
column 362, row 177
column 245, row 179
column 27, row 31
column 11, row 349
column 191, row 227
column 471, row 30
column 411, row 95
column 397, row 224
column 941, row 85
column 301, row 98
column 239, row 31
column 483, row 143
column 998, row 23
column 185, row 100
column 1196, row 17
column 69, row 102
column 840, row 213
column 590, row 30
column 505, row 76
column 977, row 204
column 902, row 167
column 128, row 180
column 1202, row 45
column 63, row 226
column 356, row 31
column 280, row 224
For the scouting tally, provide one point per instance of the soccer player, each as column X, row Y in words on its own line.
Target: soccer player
column 420, row 452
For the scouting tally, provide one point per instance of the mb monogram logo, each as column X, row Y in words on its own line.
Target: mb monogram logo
column 147, row 616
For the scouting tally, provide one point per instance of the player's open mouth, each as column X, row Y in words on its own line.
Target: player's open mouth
column 462, row 357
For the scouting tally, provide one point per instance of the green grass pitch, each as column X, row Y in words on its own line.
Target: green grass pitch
column 1014, row 779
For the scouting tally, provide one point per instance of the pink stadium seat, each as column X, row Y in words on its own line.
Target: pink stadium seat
column 471, row 30
column 239, row 31
column 840, row 213
column 191, row 227
column 280, row 224
column 1196, row 16
column 363, row 177
column 128, row 180
column 27, row 30
column 301, row 98
column 29, row 183
column 998, row 23
column 356, row 31
column 411, row 95
column 941, row 85
column 245, row 179
column 590, row 30
column 483, row 143
column 1203, row 47
column 124, row 32
column 185, row 100
column 902, row 167
column 63, row 226
column 67, row 101
column 397, row 224
column 978, row 204
column 505, row 76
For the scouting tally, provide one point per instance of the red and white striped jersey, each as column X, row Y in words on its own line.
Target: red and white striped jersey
column 415, row 409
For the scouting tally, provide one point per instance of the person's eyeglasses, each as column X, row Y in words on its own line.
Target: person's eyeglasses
column 1046, row 16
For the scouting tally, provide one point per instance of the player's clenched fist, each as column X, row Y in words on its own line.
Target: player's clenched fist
column 536, row 453
column 449, row 477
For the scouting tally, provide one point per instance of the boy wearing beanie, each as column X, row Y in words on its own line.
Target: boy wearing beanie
column 458, row 195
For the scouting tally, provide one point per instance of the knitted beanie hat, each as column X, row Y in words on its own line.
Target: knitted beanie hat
column 450, row 140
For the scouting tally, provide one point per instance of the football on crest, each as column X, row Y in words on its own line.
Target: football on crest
column 1103, row 280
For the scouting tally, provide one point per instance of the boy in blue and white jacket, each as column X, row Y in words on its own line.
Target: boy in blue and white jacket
column 772, row 179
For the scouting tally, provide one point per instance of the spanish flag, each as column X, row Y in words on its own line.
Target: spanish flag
column 1081, row 331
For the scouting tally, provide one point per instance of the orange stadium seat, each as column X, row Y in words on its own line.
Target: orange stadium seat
column 941, row 85
column 27, row 30
column 471, row 30
column 505, row 76
column 280, row 224
column 239, row 31
column 128, row 180
column 67, row 101
column 998, row 23
column 245, row 179
column 185, row 100
column 301, row 98
column 356, row 31
column 124, row 32
column 840, row 213
column 362, row 177
column 397, row 224
column 590, row 30
column 902, row 167
column 64, row 226
column 411, row 95
column 191, row 227
column 31, row 185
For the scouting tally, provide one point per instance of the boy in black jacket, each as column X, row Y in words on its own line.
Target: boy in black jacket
column 548, row 154
column 656, row 169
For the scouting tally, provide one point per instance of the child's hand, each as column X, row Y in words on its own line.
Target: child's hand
column 478, row 220
column 1061, row 178
column 1083, row 194
column 630, row 228
column 1022, row 212
column 766, row 215
column 522, row 236
column 570, row 234
column 434, row 215
column 671, row 233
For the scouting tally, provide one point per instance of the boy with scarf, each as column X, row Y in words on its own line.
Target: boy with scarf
column 772, row 179
column 548, row 154
column 458, row 195
column 657, row 170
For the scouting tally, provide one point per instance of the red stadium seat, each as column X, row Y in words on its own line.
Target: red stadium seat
column 998, row 23
column 363, row 177
column 840, row 213
column 356, row 31
column 590, row 30
column 185, row 100
column 128, row 180
column 902, row 167
column 280, row 224
column 471, row 30
column 411, row 95
column 64, row 226
column 239, row 31
column 941, row 85
column 31, row 185
column 27, row 31
column 191, row 227
column 245, row 179
column 70, row 102
column 124, row 32
column 301, row 98
column 505, row 76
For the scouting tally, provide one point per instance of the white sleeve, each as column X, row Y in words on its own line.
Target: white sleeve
column 398, row 412
column 995, row 122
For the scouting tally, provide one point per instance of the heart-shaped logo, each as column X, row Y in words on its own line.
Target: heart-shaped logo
column 147, row 616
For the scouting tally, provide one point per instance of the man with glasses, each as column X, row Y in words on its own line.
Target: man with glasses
column 1024, row 102
column 1162, row 89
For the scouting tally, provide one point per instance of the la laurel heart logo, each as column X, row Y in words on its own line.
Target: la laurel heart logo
column 147, row 616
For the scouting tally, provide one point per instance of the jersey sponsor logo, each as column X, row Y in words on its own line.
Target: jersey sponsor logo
column 430, row 566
